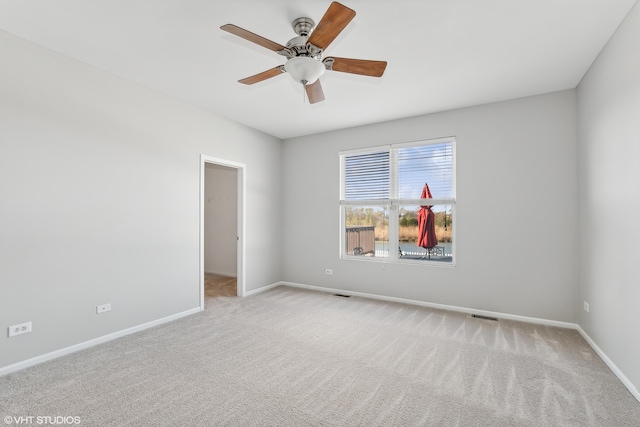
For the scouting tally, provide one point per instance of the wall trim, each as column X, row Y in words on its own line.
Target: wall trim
column 220, row 273
column 92, row 342
column 262, row 289
column 621, row 376
column 438, row 306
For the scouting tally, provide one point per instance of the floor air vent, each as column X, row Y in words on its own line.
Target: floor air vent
column 342, row 295
column 478, row 316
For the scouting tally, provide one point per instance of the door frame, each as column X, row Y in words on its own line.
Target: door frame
column 241, row 169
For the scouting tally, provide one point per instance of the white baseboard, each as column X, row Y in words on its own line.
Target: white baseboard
column 618, row 373
column 262, row 289
column 621, row 376
column 219, row 273
column 83, row 345
column 438, row 306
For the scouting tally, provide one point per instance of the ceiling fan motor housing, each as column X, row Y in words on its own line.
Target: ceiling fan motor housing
column 298, row 46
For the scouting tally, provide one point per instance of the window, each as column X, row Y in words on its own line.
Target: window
column 383, row 216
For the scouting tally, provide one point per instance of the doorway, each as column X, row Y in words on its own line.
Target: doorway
column 222, row 220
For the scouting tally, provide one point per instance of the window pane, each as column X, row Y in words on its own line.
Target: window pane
column 431, row 164
column 366, row 231
column 436, row 245
column 366, row 176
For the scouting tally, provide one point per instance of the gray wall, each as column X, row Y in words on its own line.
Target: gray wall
column 609, row 198
column 100, row 200
column 516, row 210
column 220, row 220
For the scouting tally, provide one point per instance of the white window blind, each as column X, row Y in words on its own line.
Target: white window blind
column 366, row 176
column 399, row 172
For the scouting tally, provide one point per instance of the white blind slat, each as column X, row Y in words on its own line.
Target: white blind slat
column 366, row 176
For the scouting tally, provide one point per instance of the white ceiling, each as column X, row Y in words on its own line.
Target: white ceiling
column 442, row 54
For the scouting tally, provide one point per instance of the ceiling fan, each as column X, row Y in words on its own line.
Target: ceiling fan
column 304, row 53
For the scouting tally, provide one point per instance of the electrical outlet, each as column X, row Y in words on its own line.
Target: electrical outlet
column 328, row 271
column 586, row 306
column 103, row 308
column 20, row 329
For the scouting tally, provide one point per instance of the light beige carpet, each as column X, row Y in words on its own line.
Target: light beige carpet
column 290, row 357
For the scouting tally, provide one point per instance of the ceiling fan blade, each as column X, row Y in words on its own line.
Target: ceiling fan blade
column 314, row 92
column 248, row 35
column 356, row 66
column 262, row 76
column 332, row 23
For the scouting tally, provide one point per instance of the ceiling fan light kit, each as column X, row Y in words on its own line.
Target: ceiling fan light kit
column 304, row 53
column 304, row 69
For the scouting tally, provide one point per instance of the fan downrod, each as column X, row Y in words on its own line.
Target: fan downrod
column 303, row 26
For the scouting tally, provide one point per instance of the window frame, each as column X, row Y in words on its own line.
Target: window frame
column 393, row 203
